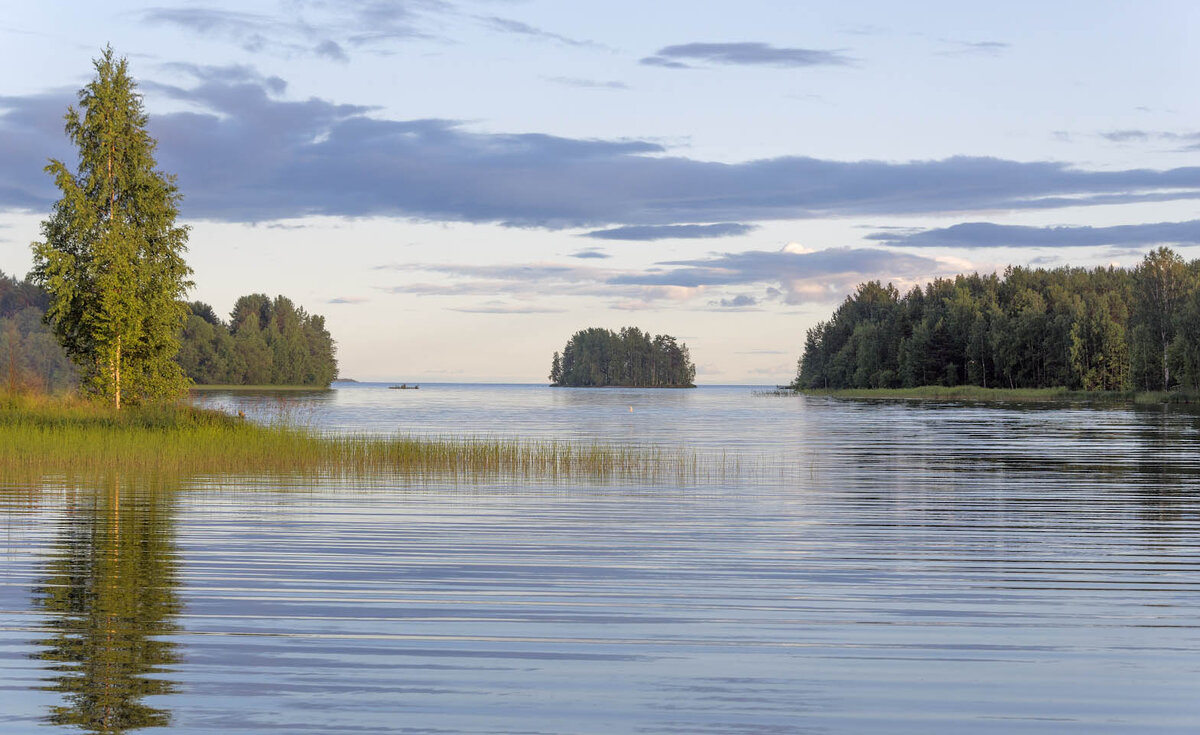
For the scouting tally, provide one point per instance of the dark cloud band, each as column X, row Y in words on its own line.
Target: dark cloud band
column 989, row 235
column 667, row 232
column 244, row 155
column 745, row 54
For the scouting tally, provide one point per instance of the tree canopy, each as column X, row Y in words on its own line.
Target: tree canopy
column 266, row 342
column 597, row 357
column 293, row 348
column 1098, row 329
column 111, row 258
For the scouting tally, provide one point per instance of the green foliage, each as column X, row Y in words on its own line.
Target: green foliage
column 267, row 342
column 1105, row 329
column 111, row 260
column 30, row 358
column 597, row 357
column 296, row 350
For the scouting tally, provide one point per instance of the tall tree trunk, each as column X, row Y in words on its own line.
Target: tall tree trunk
column 117, row 374
column 1166, row 367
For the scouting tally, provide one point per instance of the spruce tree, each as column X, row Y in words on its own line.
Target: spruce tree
column 112, row 256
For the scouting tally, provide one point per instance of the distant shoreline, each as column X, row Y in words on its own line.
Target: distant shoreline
column 648, row 387
column 999, row 395
column 202, row 388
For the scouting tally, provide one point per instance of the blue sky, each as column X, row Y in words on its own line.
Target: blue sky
column 459, row 185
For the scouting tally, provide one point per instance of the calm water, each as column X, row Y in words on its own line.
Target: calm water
column 872, row 568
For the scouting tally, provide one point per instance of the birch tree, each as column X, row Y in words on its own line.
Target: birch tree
column 111, row 258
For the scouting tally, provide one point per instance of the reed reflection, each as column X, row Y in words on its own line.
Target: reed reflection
column 110, row 594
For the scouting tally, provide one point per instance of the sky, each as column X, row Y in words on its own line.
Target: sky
column 460, row 185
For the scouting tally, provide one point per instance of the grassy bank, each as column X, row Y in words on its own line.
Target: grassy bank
column 41, row 435
column 976, row 393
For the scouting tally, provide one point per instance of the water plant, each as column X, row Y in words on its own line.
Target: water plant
column 65, row 434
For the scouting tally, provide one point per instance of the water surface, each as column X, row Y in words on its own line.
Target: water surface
column 872, row 567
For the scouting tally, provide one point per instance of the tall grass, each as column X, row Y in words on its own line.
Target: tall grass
column 41, row 435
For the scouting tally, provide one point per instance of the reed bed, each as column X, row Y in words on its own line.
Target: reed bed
column 40, row 435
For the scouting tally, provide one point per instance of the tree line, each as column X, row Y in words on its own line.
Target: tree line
column 266, row 342
column 597, row 357
column 1109, row 329
column 30, row 357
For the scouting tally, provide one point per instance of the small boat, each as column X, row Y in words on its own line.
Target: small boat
column 404, row 386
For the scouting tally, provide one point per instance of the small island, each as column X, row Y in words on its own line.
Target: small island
column 631, row 358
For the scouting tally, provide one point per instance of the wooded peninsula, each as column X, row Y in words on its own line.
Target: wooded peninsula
column 631, row 358
column 1103, row 329
column 265, row 342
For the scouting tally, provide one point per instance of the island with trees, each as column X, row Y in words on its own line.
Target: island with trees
column 1101, row 329
column 597, row 358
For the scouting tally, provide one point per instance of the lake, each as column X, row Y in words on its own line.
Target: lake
column 845, row 567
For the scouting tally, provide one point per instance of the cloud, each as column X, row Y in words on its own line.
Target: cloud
column 232, row 74
column 1182, row 141
column 508, row 25
column 496, row 307
column 309, row 28
column 208, row 21
column 1125, row 136
column 786, row 266
column 31, row 132
column 347, row 300
column 745, row 54
column 250, row 31
column 331, row 50
column 586, row 83
column 741, row 301
column 989, row 235
column 790, row 274
column 665, row 63
column 590, row 254
column 975, row 48
column 665, row 232
column 242, row 154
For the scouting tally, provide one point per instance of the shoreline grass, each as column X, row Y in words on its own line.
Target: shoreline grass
column 999, row 395
column 48, row 435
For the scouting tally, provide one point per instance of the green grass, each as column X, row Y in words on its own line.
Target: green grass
column 976, row 393
column 53, row 435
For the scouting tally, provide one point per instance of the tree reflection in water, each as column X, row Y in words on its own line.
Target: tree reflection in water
column 110, row 595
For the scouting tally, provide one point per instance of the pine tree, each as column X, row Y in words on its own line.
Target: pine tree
column 112, row 256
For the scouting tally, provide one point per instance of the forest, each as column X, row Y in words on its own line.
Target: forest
column 597, row 357
column 30, row 356
column 266, row 342
column 1100, row 329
